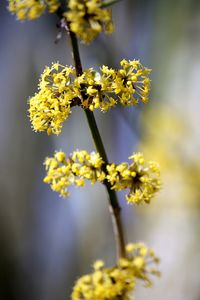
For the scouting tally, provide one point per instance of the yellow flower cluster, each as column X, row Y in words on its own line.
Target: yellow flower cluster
column 132, row 83
column 117, row 282
column 87, row 19
column 127, row 85
column 32, row 9
column 59, row 87
column 142, row 179
column 96, row 90
column 50, row 107
column 62, row 172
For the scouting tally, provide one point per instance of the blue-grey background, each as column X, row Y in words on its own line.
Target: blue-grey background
column 47, row 242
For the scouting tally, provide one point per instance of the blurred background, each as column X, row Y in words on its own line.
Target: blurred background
column 47, row 242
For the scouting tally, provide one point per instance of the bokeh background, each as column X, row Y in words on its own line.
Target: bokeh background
column 47, row 242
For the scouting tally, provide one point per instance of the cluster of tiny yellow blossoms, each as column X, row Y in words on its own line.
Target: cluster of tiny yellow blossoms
column 62, row 171
column 87, row 19
column 117, row 282
column 96, row 90
column 58, row 87
column 127, row 85
column 32, row 9
column 143, row 180
column 132, row 82
column 50, row 107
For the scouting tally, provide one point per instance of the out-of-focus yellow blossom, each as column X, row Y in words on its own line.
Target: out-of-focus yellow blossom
column 143, row 179
column 117, row 282
column 131, row 83
column 80, row 165
column 174, row 148
column 50, row 107
column 32, row 9
column 87, row 18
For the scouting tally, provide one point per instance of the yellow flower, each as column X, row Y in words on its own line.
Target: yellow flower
column 80, row 165
column 118, row 281
column 59, row 89
column 59, row 173
column 95, row 92
column 50, row 107
column 87, row 19
column 32, row 9
column 128, row 86
column 131, row 83
column 143, row 179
